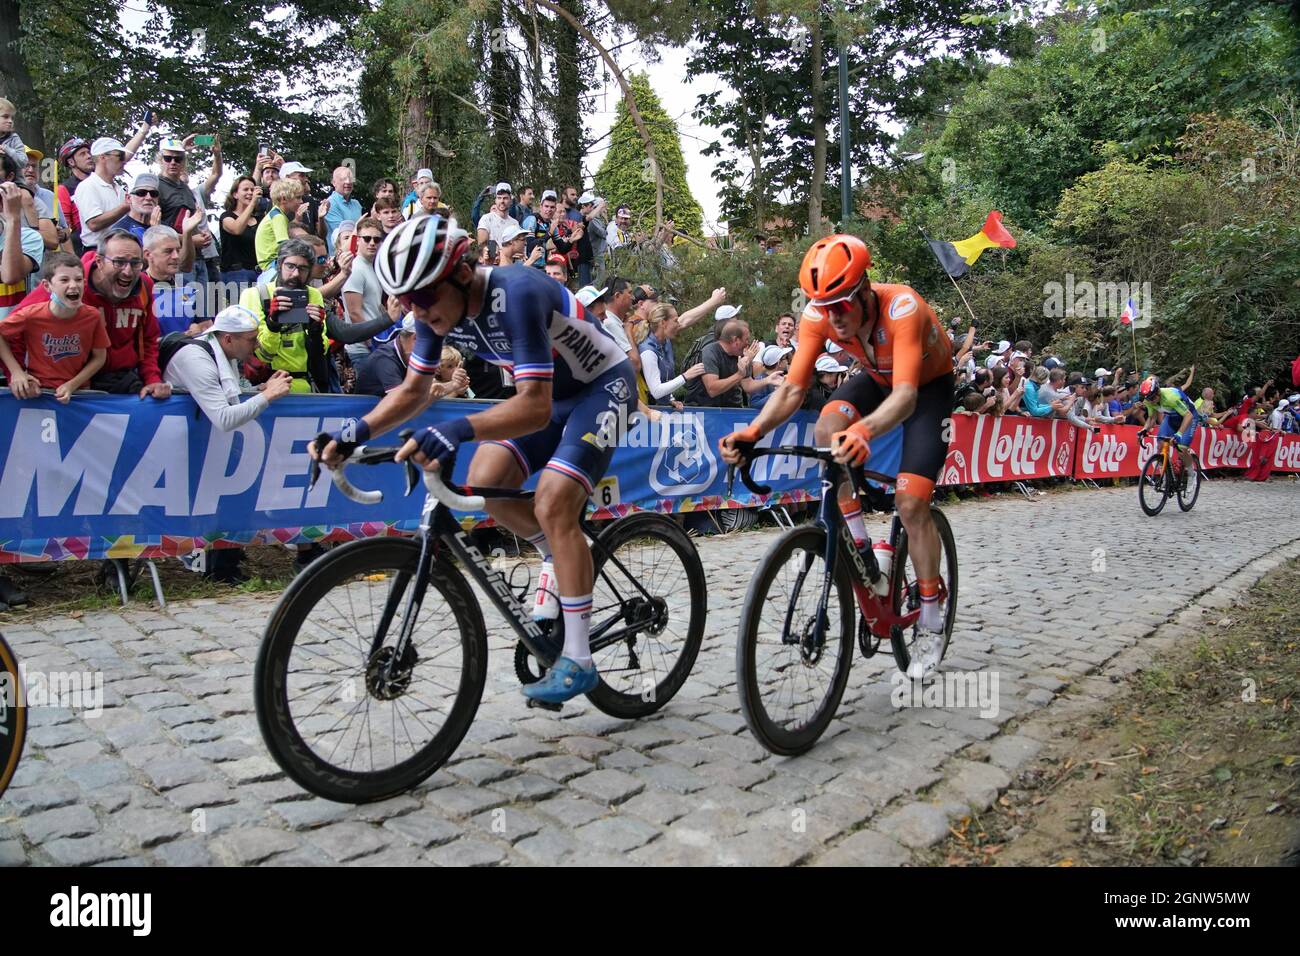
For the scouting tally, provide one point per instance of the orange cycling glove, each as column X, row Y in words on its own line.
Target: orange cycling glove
column 746, row 436
column 851, row 444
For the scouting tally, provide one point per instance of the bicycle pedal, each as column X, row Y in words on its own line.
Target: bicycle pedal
column 545, row 705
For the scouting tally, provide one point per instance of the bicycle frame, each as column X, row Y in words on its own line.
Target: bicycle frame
column 876, row 610
column 439, row 531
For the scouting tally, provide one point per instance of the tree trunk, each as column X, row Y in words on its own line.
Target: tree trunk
column 413, row 132
column 16, row 82
column 567, row 159
column 502, row 99
column 818, row 90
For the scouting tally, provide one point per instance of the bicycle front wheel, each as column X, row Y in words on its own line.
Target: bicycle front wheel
column 790, row 684
column 907, row 591
column 1187, row 494
column 1152, row 493
column 13, row 715
column 339, row 715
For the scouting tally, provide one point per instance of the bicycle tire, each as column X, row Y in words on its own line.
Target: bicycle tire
column 611, row 695
column 903, row 588
column 1187, row 501
column 1154, row 477
column 13, row 715
column 810, row 543
column 366, row 560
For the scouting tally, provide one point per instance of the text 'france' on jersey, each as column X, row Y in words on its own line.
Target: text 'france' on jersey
column 531, row 326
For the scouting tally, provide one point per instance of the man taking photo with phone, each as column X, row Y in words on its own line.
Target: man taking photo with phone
column 291, row 319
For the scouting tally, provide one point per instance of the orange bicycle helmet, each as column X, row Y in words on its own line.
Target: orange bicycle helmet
column 834, row 268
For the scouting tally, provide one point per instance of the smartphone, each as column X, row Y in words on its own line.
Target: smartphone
column 147, row 116
column 352, row 243
column 297, row 313
column 263, row 149
column 204, row 139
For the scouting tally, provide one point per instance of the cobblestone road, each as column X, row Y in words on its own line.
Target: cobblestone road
column 686, row 786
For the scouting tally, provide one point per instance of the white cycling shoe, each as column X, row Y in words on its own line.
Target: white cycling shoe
column 546, row 605
column 927, row 650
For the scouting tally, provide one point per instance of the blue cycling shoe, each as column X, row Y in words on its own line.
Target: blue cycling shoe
column 564, row 681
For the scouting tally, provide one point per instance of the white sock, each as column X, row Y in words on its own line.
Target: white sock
column 577, row 622
column 931, row 613
column 538, row 541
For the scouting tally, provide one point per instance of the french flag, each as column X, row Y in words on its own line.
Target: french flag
column 1129, row 314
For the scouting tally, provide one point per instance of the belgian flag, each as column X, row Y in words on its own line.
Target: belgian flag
column 957, row 257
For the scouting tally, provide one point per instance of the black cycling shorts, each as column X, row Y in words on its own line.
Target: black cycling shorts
column 924, row 448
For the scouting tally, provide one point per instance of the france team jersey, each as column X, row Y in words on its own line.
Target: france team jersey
column 531, row 326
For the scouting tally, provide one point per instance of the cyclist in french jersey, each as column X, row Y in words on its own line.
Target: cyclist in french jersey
column 907, row 380
column 573, row 387
column 1175, row 411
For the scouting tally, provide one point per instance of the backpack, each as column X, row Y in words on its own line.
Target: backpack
column 173, row 342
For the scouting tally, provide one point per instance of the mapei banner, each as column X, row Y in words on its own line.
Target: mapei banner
column 116, row 476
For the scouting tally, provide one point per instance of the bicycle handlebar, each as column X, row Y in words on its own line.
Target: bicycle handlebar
column 448, row 494
column 750, row 452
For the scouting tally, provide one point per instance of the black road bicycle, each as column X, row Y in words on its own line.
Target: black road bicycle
column 375, row 659
column 811, row 593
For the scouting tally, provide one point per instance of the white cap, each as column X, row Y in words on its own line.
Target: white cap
column 832, row 348
column 1293, row 398
column 549, row 194
column 504, row 188
column 1003, row 346
column 587, row 197
column 172, row 145
column 1283, row 403
column 827, row 364
column 288, row 169
column 105, row 145
column 774, row 353
column 408, row 325
column 510, row 233
column 424, row 174
column 589, row 294
column 234, row 318
column 1101, row 373
column 726, row 312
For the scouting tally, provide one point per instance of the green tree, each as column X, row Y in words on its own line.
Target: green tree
column 626, row 174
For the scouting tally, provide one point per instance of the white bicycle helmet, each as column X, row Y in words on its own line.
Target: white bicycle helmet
column 420, row 253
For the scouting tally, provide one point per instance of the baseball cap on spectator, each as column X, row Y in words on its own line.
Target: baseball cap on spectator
column 34, row 154
column 623, row 209
column 234, row 318
column 639, row 294
column 774, row 353
column 71, row 146
column 586, row 198
column 827, row 364
column 172, row 146
column 832, row 348
column 408, row 325
column 549, row 194
column 504, row 188
column 557, row 259
column 725, row 312
column 589, row 294
column 145, row 181
column 423, row 174
column 1003, row 347
column 510, row 233
column 1101, row 373
column 1076, row 378
column 1052, row 362
column 105, row 145
column 288, row 169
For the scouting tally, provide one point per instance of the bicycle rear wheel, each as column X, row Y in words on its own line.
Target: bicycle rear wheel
column 13, row 715
column 1153, row 486
column 1188, row 494
column 907, row 592
column 329, row 717
column 790, row 689
column 661, row 633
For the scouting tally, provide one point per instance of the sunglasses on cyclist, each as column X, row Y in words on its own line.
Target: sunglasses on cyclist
column 424, row 298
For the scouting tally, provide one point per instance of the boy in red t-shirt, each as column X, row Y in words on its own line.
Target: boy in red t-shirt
column 60, row 343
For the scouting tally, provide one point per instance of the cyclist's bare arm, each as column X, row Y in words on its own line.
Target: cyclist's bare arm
column 785, row 401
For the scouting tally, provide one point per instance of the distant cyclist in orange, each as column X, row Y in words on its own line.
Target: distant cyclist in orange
column 907, row 360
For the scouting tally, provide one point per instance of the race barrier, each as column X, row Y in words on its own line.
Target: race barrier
column 120, row 477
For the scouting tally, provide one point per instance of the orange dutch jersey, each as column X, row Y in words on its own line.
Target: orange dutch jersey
column 908, row 346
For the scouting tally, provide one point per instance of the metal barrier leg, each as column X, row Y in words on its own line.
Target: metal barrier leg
column 123, row 579
column 1023, row 489
column 157, row 582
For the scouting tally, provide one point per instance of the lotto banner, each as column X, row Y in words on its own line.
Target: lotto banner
column 116, row 476
column 987, row 448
